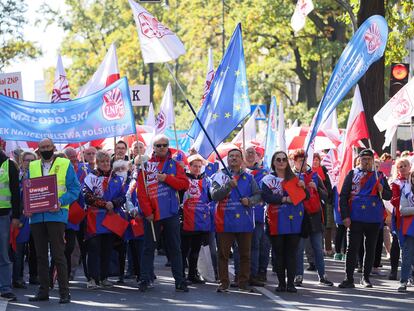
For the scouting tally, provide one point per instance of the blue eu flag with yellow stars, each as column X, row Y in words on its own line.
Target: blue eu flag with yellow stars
column 227, row 103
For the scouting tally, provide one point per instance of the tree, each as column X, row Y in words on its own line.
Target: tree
column 13, row 45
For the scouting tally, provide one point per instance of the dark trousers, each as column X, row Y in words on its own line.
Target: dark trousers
column 190, row 248
column 53, row 233
column 285, row 249
column 171, row 231
column 395, row 253
column 83, row 247
column 136, row 246
column 70, row 236
column 120, row 246
column 32, row 259
column 226, row 240
column 378, row 248
column 357, row 231
column 340, row 239
column 99, row 256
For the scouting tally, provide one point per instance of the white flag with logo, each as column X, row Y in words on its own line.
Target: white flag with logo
column 281, row 134
column 150, row 121
column 166, row 116
column 209, row 76
column 158, row 43
column 302, row 9
column 399, row 109
column 61, row 91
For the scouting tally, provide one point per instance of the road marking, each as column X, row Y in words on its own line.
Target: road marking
column 3, row 305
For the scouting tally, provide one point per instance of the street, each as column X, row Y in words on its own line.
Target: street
column 203, row 297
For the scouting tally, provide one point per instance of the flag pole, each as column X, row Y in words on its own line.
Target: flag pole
column 411, row 130
column 244, row 140
column 201, row 124
column 375, row 169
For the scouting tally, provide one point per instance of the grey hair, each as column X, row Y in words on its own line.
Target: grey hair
column 120, row 164
column 67, row 151
column 159, row 137
column 100, row 155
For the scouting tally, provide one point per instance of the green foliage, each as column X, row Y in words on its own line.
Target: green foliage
column 276, row 58
column 13, row 46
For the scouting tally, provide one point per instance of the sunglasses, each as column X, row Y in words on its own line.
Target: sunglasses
column 280, row 160
column 161, row 145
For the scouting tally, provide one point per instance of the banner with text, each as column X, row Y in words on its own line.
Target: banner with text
column 11, row 85
column 106, row 113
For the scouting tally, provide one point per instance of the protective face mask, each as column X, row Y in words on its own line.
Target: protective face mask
column 122, row 174
column 46, row 154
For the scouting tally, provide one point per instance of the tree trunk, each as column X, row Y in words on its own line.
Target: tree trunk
column 372, row 83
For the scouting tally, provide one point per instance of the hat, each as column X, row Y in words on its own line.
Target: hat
column 196, row 157
column 366, row 152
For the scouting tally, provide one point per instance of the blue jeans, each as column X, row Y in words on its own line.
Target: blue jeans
column 316, row 242
column 18, row 262
column 257, row 236
column 171, row 230
column 264, row 256
column 407, row 258
column 5, row 263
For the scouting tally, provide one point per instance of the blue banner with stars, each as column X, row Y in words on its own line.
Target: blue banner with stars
column 227, row 103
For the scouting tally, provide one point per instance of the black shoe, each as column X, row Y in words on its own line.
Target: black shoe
column 346, row 284
column 256, row 282
column 325, row 281
column 9, row 296
column 261, row 276
column 64, row 299
column 168, row 264
column 19, row 284
column 196, row 280
column 34, row 281
column 366, row 283
column 181, row 287
column 359, row 270
column 120, row 281
column 39, row 298
column 291, row 289
column 143, row 286
column 311, row 267
column 392, row 276
column 280, row 288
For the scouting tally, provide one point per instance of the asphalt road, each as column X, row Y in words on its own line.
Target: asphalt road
column 311, row 296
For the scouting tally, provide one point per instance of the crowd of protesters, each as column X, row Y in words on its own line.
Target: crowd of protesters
column 115, row 211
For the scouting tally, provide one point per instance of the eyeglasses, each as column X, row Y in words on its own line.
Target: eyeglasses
column 280, row 160
column 161, row 145
column 90, row 153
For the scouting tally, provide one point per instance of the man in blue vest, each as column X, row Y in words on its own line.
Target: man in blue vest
column 362, row 212
column 9, row 205
column 49, row 227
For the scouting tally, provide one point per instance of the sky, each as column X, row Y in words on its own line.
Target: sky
column 48, row 40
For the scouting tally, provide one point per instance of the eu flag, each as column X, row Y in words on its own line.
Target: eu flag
column 227, row 103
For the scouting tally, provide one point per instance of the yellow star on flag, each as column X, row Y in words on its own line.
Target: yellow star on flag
column 170, row 164
column 243, row 83
column 244, row 96
column 215, row 116
column 237, row 73
column 227, row 115
column 291, row 217
column 237, row 215
column 237, row 107
column 244, row 177
column 363, row 207
column 300, row 213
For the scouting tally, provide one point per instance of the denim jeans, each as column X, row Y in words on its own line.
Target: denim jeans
column 171, row 231
column 407, row 258
column 18, row 262
column 264, row 256
column 316, row 242
column 257, row 236
column 5, row 263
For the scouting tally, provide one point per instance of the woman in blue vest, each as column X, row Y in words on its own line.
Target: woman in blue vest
column 284, row 220
column 196, row 210
column 406, row 232
column 313, row 219
column 103, row 193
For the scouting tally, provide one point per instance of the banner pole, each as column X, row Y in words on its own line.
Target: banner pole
column 201, row 125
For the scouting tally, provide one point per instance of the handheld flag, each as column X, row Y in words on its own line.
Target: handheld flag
column 366, row 46
column 271, row 143
column 209, row 76
column 281, row 134
column 302, row 9
column 249, row 129
column 158, row 43
column 399, row 109
column 227, row 103
column 61, row 91
column 166, row 116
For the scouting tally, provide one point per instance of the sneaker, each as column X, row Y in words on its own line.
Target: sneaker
column 337, row 256
column 9, row 296
column 181, row 287
column 324, row 281
column 365, row 282
column 410, row 282
column 298, row 281
column 402, row 288
column 196, row 280
column 91, row 284
column 105, row 283
column 311, row 267
column 346, row 284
